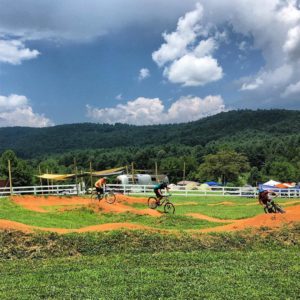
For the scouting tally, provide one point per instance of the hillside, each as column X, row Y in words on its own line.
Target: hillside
column 232, row 126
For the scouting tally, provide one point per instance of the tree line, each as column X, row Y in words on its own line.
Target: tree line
column 237, row 148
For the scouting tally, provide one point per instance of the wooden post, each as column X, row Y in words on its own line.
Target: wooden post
column 41, row 180
column 91, row 175
column 156, row 175
column 132, row 171
column 10, row 178
column 76, row 179
column 48, row 181
column 126, row 169
column 184, row 171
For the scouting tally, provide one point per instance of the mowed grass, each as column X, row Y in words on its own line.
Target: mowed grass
column 83, row 217
column 260, row 274
column 219, row 206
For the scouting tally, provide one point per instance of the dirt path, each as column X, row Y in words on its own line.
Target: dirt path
column 208, row 218
column 120, row 206
column 264, row 220
column 7, row 224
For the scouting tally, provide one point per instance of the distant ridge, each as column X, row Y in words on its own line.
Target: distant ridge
column 32, row 142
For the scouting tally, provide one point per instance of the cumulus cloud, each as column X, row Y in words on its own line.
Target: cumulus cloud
column 188, row 61
column 16, row 111
column 190, row 70
column 144, row 73
column 292, row 90
column 14, row 52
column 187, row 55
column 145, row 111
column 81, row 20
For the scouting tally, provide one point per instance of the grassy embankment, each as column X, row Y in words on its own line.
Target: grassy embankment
column 141, row 265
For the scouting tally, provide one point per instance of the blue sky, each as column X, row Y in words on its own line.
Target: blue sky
column 145, row 62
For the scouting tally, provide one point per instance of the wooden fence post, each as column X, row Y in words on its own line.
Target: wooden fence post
column 10, row 178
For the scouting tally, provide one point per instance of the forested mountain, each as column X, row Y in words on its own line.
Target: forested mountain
column 237, row 127
column 250, row 147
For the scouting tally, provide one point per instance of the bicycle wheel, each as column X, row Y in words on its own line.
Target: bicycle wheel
column 152, row 202
column 110, row 197
column 94, row 196
column 278, row 209
column 169, row 208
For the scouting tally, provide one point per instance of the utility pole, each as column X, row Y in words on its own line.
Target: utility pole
column 41, row 180
column 76, row 179
column 132, row 171
column 156, row 172
column 91, row 175
column 10, row 178
column 184, row 171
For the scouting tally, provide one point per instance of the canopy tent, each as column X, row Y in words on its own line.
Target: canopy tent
column 271, row 183
column 114, row 171
column 212, row 183
column 56, row 176
column 108, row 172
column 186, row 182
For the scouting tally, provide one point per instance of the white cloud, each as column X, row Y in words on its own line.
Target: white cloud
column 292, row 90
column 82, row 20
column 145, row 111
column 189, row 62
column 190, row 70
column 273, row 30
column 14, row 52
column 16, row 111
column 144, row 73
column 252, row 85
column 177, row 41
column 292, row 44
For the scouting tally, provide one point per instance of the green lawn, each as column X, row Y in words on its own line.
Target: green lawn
column 83, row 217
column 145, row 265
column 241, row 207
column 259, row 274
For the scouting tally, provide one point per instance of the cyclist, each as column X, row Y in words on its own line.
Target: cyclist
column 158, row 190
column 99, row 185
column 265, row 198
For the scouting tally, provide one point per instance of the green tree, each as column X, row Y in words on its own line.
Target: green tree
column 226, row 165
column 22, row 173
column 283, row 171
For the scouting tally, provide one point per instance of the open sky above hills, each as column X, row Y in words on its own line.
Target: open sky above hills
column 145, row 62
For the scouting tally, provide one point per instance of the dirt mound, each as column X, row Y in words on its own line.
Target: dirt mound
column 6, row 224
column 37, row 203
column 222, row 203
column 264, row 220
column 207, row 218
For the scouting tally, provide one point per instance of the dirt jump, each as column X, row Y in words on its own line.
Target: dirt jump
column 123, row 204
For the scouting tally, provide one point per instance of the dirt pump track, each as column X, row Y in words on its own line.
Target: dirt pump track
column 122, row 205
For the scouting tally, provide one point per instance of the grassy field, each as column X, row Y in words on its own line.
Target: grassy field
column 149, row 265
column 219, row 206
column 137, row 265
column 85, row 216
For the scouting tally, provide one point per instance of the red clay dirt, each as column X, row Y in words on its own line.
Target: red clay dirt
column 37, row 203
column 208, row 218
column 7, row 224
column 264, row 220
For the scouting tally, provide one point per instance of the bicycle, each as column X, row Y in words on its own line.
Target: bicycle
column 109, row 196
column 272, row 208
column 169, row 207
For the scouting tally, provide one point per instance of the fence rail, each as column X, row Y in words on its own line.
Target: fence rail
column 68, row 189
column 134, row 189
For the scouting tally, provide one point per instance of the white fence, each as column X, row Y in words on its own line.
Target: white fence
column 134, row 189
column 249, row 192
column 69, row 189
